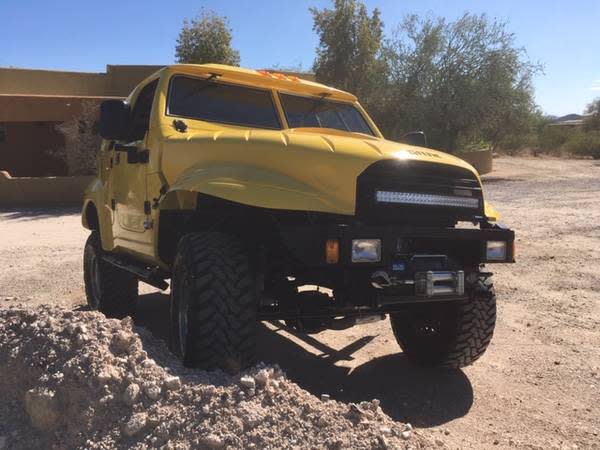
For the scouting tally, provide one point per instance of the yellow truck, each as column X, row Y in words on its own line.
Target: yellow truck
column 260, row 196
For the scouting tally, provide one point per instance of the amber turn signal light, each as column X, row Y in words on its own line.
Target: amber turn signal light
column 332, row 251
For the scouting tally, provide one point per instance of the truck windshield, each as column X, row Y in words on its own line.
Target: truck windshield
column 319, row 112
column 212, row 101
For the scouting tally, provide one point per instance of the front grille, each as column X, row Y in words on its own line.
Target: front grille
column 434, row 183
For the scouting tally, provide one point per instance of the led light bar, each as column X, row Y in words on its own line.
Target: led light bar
column 412, row 198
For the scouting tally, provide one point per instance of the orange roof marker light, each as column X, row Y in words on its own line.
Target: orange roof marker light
column 278, row 75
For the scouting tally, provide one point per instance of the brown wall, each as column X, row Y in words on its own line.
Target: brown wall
column 36, row 108
column 117, row 81
column 32, row 102
column 41, row 191
column 24, row 151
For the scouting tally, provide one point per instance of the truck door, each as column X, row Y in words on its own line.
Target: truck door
column 132, row 224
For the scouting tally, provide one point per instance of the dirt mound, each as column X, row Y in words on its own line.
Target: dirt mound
column 78, row 380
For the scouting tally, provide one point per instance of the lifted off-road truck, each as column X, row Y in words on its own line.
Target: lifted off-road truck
column 261, row 196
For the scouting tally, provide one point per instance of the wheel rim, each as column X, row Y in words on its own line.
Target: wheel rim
column 95, row 282
column 182, row 319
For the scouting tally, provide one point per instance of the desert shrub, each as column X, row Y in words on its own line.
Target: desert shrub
column 584, row 144
column 82, row 140
column 551, row 139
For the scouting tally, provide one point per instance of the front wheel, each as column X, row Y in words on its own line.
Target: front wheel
column 213, row 303
column 448, row 334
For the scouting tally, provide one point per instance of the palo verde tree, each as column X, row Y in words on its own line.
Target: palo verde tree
column 206, row 39
column 350, row 43
column 592, row 120
column 463, row 82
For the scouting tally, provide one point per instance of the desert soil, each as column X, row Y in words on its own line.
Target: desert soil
column 537, row 387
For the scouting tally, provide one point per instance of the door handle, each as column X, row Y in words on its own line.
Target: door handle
column 134, row 155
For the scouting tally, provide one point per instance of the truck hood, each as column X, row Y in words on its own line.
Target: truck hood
column 295, row 169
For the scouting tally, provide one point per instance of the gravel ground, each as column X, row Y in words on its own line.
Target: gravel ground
column 537, row 387
column 78, row 380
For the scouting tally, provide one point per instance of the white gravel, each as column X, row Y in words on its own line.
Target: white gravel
column 78, row 380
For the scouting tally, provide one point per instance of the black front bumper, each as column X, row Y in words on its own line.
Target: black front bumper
column 468, row 246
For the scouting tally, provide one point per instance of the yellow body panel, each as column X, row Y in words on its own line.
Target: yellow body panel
column 307, row 169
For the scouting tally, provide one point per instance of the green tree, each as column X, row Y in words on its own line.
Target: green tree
column 206, row 39
column 349, row 51
column 592, row 121
column 82, row 140
column 462, row 82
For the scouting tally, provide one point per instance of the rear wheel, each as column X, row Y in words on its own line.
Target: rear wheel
column 448, row 334
column 213, row 303
column 108, row 289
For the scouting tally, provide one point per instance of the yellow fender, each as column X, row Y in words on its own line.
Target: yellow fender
column 253, row 186
column 94, row 195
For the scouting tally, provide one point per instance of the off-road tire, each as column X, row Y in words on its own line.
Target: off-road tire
column 450, row 334
column 108, row 289
column 213, row 282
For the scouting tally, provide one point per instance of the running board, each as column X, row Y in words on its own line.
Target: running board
column 143, row 273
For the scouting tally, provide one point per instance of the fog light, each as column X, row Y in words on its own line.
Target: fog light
column 496, row 251
column 332, row 251
column 366, row 250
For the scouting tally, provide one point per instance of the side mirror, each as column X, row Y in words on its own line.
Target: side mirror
column 114, row 119
column 417, row 138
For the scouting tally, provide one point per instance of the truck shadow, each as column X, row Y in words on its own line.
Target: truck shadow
column 408, row 393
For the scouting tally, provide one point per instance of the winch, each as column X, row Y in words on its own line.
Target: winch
column 415, row 272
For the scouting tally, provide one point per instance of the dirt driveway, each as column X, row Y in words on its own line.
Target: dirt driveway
column 537, row 387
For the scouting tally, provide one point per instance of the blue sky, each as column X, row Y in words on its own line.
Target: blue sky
column 87, row 34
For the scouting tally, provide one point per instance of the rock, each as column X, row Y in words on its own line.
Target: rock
column 322, row 422
column 131, row 394
column 262, row 377
column 325, row 397
column 172, row 383
column 386, row 431
column 121, row 342
column 406, row 434
column 136, row 423
column 248, row 382
column 152, row 391
column 206, row 409
column 43, row 408
column 109, row 373
column 408, row 427
column 439, row 442
column 383, row 442
column 212, row 441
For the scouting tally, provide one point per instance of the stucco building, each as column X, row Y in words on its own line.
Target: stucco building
column 34, row 102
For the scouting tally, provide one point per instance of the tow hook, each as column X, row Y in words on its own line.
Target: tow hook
column 381, row 279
